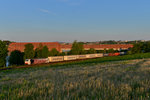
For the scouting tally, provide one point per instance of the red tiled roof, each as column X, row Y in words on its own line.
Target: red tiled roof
column 66, row 46
column 109, row 46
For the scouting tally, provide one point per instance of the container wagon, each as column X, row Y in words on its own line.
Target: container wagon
column 81, row 57
column 91, row 55
column 71, row 57
column 56, row 59
column 100, row 55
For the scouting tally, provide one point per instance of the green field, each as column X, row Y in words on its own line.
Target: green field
column 110, row 78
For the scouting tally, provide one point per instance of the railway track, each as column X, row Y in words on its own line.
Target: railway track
column 44, row 64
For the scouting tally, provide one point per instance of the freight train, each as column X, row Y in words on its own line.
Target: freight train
column 69, row 58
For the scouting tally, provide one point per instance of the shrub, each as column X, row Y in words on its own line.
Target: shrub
column 16, row 58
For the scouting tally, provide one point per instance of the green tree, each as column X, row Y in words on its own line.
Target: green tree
column 54, row 52
column 111, row 51
column 91, row 51
column 16, row 58
column 137, row 48
column 100, row 51
column 146, row 47
column 77, row 48
column 38, row 51
column 62, row 54
column 140, row 47
column 105, row 51
column 45, row 52
column 29, row 52
column 3, row 53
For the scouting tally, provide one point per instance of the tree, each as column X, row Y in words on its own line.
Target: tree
column 62, row 54
column 100, row 51
column 54, row 52
column 38, row 51
column 77, row 48
column 45, row 52
column 146, row 47
column 16, row 58
column 91, row 51
column 137, row 48
column 111, row 51
column 3, row 53
column 29, row 52
column 140, row 47
column 105, row 51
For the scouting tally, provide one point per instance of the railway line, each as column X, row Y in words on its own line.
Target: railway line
column 60, row 60
column 43, row 64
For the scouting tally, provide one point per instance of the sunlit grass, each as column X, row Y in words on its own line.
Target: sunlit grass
column 119, row 80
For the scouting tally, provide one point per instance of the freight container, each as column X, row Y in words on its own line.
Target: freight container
column 111, row 54
column 56, row 59
column 105, row 54
column 90, row 55
column 116, row 54
column 40, row 61
column 72, row 57
column 99, row 55
column 81, row 56
column 122, row 53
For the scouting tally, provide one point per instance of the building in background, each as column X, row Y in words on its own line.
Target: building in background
column 67, row 47
column 100, row 47
column 21, row 45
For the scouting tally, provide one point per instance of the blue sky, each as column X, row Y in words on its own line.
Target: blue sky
column 69, row 20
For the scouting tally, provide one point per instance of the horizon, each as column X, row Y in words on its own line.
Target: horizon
column 77, row 41
column 73, row 41
column 69, row 20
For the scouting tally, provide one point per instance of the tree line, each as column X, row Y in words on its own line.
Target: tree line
column 141, row 47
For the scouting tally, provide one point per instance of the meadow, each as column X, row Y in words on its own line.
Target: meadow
column 97, row 79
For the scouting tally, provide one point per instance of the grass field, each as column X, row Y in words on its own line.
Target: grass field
column 87, row 80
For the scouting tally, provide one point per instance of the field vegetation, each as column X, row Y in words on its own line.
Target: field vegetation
column 97, row 79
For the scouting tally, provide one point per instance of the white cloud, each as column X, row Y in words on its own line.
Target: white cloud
column 47, row 11
column 72, row 2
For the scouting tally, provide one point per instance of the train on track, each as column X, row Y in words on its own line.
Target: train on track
column 69, row 58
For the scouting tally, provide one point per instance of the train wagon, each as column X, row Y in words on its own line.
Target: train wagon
column 111, row 54
column 116, row 54
column 105, row 54
column 122, row 53
column 40, row 61
column 91, row 55
column 99, row 55
column 56, row 59
column 81, row 57
column 71, row 57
